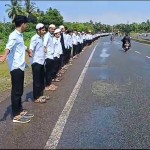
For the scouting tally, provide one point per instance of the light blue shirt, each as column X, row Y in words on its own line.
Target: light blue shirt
column 16, row 57
column 48, row 43
column 37, row 47
column 57, row 47
column 74, row 39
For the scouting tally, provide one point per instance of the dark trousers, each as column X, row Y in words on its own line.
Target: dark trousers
column 78, row 48
column 67, row 56
column 17, row 81
column 49, row 67
column 62, row 59
column 74, row 50
column 38, row 80
column 57, row 64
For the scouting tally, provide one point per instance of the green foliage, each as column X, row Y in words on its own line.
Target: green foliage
column 31, row 27
column 52, row 16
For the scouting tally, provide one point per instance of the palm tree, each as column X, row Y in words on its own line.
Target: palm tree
column 13, row 9
column 30, row 7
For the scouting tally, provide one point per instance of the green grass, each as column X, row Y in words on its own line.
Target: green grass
column 5, row 78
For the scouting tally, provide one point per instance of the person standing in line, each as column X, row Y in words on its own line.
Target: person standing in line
column 70, row 46
column 62, row 40
column 57, row 53
column 74, row 42
column 84, row 40
column 37, row 55
column 49, row 58
column 15, row 53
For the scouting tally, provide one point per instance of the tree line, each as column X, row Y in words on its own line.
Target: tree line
column 53, row 16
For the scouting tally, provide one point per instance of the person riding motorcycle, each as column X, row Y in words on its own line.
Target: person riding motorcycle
column 125, row 39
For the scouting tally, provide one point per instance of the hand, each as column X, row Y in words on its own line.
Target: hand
column 45, row 49
column 30, row 53
column 2, row 58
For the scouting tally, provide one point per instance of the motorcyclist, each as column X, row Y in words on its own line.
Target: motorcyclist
column 125, row 39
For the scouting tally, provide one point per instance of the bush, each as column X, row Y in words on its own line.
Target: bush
column 31, row 27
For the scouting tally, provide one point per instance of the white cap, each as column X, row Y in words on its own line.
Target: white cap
column 39, row 25
column 52, row 26
column 61, row 27
column 57, row 31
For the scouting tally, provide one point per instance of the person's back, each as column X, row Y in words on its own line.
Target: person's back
column 126, row 38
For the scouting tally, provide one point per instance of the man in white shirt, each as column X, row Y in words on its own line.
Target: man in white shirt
column 69, row 46
column 74, row 41
column 15, row 53
column 63, row 40
column 37, row 55
column 57, row 53
column 49, row 58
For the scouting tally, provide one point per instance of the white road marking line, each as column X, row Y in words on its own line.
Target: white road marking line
column 148, row 56
column 58, row 129
column 137, row 52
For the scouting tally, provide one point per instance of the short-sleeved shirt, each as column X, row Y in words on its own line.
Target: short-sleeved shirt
column 48, row 43
column 37, row 47
column 74, row 39
column 57, row 47
column 16, row 57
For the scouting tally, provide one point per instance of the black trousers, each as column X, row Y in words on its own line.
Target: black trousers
column 17, row 81
column 74, row 50
column 57, row 64
column 38, row 80
column 67, row 56
column 49, row 67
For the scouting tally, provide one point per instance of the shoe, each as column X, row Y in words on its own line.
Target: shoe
column 21, row 119
column 26, row 114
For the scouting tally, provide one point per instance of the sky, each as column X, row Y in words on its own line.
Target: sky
column 106, row 12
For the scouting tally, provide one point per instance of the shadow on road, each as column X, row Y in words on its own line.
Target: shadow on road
column 8, row 112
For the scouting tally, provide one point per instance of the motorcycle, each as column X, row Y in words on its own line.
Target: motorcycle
column 126, row 46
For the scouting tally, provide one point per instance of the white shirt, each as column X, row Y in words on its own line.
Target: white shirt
column 70, row 41
column 81, row 38
column 65, row 40
column 37, row 47
column 74, row 39
column 48, row 43
column 16, row 57
column 57, row 47
column 88, row 37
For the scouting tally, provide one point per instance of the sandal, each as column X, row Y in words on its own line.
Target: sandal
column 56, row 80
column 59, row 75
column 45, row 97
column 40, row 100
column 50, row 88
column 53, row 85
column 21, row 119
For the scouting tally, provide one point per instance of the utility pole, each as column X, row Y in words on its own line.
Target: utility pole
column 4, row 19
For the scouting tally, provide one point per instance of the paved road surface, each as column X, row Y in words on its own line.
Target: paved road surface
column 102, row 102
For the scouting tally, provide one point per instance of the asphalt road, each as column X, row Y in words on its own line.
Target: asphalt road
column 102, row 102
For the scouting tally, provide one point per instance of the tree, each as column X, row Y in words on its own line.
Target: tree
column 52, row 16
column 30, row 7
column 14, row 9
